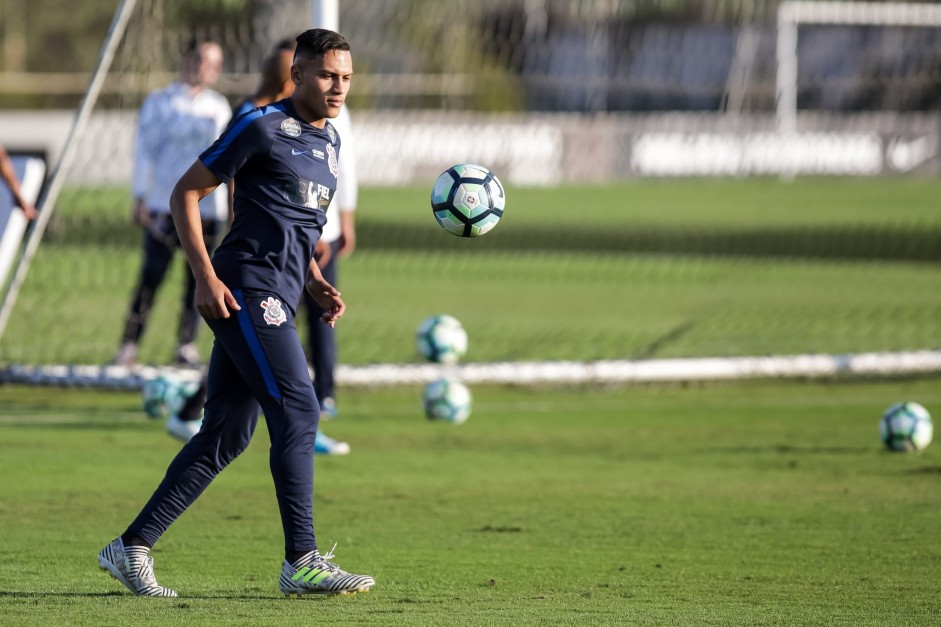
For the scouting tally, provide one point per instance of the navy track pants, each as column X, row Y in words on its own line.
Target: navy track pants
column 257, row 359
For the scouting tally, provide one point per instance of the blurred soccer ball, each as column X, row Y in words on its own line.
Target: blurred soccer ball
column 906, row 427
column 467, row 200
column 447, row 400
column 163, row 396
column 441, row 339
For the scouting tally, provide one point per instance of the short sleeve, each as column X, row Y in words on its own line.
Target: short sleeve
column 245, row 139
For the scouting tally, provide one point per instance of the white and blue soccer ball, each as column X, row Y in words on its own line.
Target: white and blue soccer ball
column 467, row 200
column 441, row 339
column 447, row 400
column 163, row 395
column 906, row 427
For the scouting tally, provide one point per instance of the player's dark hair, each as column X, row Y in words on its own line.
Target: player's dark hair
column 317, row 42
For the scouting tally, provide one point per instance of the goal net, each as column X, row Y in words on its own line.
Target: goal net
column 641, row 143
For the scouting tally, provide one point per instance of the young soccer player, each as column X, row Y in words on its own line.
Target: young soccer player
column 276, row 84
column 285, row 158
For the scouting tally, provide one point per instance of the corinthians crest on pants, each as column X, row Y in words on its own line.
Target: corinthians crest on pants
column 274, row 312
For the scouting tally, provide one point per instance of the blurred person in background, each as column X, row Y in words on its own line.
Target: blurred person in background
column 275, row 82
column 176, row 124
column 13, row 182
column 338, row 238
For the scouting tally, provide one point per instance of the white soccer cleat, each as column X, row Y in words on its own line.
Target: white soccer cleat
column 134, row 567
column 314, row 574
column 183, row 429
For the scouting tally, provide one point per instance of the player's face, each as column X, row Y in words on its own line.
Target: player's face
column 321, row 84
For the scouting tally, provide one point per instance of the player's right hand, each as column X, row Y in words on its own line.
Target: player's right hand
column 214, row 300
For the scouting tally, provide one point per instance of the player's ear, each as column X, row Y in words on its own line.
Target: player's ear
column 296, row 74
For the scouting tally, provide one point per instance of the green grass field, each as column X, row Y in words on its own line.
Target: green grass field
column 761, row 503
column 635, row 270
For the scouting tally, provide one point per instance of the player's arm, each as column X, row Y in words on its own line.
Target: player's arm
column 213, row 299
column 231, row 186
column 9, row 175
column 325, row 294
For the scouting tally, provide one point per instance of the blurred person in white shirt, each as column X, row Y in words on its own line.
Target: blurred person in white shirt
column 175, row 125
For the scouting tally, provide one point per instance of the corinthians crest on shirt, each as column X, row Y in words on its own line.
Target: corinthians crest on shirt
column 332, row 160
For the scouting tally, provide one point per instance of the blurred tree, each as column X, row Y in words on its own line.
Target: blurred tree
column 63, row 35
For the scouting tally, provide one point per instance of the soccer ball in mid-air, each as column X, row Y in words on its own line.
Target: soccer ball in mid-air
column 467, row 200
column 447, row 400
column 906, row 427
column 163, row 395
column 441, row 339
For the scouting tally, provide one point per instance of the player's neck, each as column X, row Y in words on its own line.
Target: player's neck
column 307, row 115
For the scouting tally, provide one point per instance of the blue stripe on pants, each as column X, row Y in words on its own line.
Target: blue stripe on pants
column 254, row 345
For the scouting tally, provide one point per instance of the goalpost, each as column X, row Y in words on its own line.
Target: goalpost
column 325, row 14
column 792, row 14
column 47, row 200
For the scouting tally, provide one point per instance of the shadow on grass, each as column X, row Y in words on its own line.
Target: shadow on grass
column 788, row 449
column 15, row 594
column 75, row 423
column 926, row 470
column 900, row 242
column 839, row 241
column 117, row 594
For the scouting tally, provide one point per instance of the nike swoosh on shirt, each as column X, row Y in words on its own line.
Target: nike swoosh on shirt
column 298, row 152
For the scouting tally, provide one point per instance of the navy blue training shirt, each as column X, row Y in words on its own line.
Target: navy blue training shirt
column 244, row 107
column 286, row 175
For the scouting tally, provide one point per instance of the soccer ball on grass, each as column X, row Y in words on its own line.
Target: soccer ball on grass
column 467, row 200
column 163, row 396
column 447, row 400
column 441, row 339
column 906, row 427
